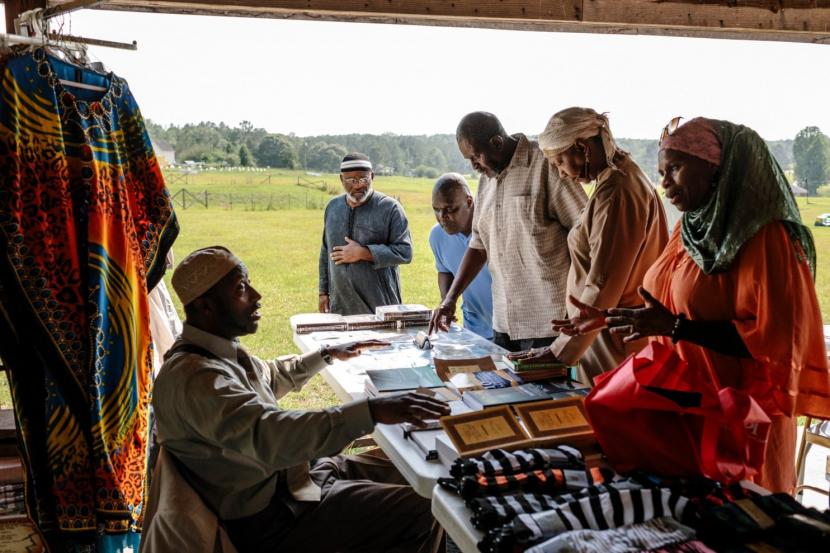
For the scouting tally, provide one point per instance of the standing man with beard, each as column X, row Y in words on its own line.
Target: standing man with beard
column 365, row 238
column 452, row 203
column 523, row 214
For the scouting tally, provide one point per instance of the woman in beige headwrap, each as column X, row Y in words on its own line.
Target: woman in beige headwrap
column 621, row 233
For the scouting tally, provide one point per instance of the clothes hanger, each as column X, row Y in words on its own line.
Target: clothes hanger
column 32, row 30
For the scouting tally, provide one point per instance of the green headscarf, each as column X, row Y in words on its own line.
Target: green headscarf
column 750, row 192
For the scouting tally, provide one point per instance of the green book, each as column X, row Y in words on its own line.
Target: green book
column 406, row 378
column 481, row 399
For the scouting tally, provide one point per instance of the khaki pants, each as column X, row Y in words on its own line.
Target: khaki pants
column 366, row 506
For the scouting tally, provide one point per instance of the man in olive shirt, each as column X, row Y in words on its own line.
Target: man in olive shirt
column 217, row 415
column 523, row 214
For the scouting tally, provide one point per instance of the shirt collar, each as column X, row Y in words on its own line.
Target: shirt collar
column 218, row 346
column 522, row 155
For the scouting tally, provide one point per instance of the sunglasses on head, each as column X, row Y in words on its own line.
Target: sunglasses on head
column 669, row 129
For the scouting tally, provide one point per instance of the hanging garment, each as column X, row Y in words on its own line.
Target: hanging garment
column 85, row 223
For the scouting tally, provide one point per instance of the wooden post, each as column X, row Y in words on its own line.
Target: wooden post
column 184, row 199
column 206, row 199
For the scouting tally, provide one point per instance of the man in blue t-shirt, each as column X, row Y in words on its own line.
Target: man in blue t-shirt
column 452, row 203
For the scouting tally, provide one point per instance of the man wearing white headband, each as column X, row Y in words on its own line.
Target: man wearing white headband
column 365, row 238
column 273, row 475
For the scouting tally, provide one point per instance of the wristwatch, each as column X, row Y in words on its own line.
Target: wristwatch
column 324, row 352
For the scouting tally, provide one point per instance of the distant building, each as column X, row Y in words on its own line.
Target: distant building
column 165, row 153
column 799, row 191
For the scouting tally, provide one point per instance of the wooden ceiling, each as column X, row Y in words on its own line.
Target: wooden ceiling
column 781, row 20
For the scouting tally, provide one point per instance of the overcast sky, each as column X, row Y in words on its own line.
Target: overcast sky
column 331, row 78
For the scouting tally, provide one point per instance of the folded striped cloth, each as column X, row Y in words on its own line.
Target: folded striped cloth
column 540, row 481
column 611, row 509
column 495, row 510
column 499, row 461
column 656, row 533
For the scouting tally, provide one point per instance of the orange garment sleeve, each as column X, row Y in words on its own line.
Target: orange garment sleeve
column 778, row 318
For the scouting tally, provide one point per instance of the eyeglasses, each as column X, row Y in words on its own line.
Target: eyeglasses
column 351, row 181
column 669, row 129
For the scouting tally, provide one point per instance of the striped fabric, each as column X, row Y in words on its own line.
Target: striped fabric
column 611, row 510
column 656, row 533
column 541, row 481
column 492, row 511
column 499, row 461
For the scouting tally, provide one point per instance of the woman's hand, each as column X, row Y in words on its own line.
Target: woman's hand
column 588, row 319
column 652, row 320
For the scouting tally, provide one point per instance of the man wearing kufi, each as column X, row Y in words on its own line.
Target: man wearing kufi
column 273, row 476
column 365, row 239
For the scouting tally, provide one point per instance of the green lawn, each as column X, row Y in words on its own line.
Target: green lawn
column 281, row 248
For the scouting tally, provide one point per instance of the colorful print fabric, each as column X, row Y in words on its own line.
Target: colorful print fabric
column 85, row 223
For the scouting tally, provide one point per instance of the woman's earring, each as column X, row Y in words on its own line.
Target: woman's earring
column 587, row 161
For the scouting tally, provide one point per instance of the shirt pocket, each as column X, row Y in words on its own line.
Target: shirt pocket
column 369, row 234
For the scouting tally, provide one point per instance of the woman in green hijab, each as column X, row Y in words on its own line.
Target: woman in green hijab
column 733, row 291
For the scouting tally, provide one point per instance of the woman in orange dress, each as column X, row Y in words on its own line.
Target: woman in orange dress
column 733, row 290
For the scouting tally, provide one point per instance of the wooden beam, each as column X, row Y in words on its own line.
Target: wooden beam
column 14, row 8
column 783, row 20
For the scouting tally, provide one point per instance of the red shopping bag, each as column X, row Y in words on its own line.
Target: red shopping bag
column 656, row 413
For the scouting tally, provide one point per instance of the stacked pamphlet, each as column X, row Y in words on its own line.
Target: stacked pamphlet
column 303, row 323
column 400, row 379
column 532, row 371
column 408, row 312
column 367, row 322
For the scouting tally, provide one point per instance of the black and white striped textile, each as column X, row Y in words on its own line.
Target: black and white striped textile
column 499, row 461
column 612, row 509
column 539, row 481
column 492, row 511
column 656, row 533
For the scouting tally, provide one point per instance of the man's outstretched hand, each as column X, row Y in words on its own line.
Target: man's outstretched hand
column 411, row 407
column 353, row 349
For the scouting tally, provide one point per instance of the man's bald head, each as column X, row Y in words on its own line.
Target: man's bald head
column 478, row 127
column 484, row 142
column 452, row 203
column 450, row 184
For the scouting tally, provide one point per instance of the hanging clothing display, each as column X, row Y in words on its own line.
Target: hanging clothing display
column 85, row 224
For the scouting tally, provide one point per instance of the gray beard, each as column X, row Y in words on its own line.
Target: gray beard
column 365, row 199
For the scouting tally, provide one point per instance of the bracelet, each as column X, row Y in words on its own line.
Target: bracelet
column 675, row 331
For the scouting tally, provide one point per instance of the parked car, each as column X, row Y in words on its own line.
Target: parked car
column 823, row 220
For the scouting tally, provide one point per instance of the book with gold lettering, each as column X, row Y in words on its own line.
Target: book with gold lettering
column 537, row 424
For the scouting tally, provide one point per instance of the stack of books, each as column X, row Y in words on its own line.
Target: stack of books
column 12, row 491
column 303, row 323
column 534, row 372
column 367, row 322
column 411, row 314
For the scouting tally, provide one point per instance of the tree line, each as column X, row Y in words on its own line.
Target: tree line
column 807, row 157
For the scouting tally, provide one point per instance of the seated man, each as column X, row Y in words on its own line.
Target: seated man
column 452, row 202
column 264, row 470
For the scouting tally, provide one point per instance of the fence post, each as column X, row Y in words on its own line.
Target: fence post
column 252, row 201
column 184, row 199
column 230, row 199
column 206, row 199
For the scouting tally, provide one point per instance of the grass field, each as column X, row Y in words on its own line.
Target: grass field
column 281, row 249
